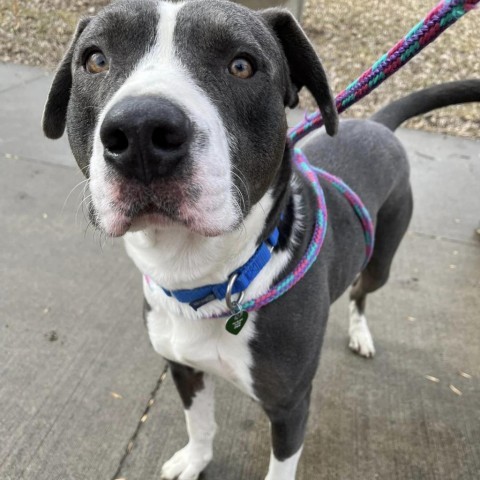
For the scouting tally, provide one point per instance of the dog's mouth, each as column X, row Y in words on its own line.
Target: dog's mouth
column 132, row 206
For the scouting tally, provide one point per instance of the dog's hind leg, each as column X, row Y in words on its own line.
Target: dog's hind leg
column 197, row 392
column 392, row 222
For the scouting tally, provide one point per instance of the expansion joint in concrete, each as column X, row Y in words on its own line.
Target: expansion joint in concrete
column 141, row 421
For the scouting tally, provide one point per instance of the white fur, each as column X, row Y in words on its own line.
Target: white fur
column 283, row 470
column 204, row 344
column 161, row 73
column 190, row 461
column 187, row 260
column 361, row 340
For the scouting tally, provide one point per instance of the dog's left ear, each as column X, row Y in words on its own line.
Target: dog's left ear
column 55, row 112
column 304, row 64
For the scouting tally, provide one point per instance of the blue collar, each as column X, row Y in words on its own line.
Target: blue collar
column 197, row 297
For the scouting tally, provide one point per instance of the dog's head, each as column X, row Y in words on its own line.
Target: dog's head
column 176, row 111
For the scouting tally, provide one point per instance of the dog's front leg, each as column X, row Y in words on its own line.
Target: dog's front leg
column 197, row 392
column 288, row 423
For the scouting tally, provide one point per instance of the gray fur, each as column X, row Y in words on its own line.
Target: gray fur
column 125, row 30
column 290, row 330
column 188, row 382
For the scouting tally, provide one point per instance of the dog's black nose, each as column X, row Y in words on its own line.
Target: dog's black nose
column 145, row 137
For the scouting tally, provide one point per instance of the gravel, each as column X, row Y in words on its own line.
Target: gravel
column 348, row 35
column 351, row 35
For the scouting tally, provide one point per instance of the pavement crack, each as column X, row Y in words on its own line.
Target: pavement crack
column 443, row 238
column 140, row 423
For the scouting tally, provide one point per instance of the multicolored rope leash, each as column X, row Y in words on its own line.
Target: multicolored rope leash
column 314, row 247
column 357, row 205
column 445, row 14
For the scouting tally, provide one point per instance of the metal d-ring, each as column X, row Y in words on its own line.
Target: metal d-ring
column 233, row 304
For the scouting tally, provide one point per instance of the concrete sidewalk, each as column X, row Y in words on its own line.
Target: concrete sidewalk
column 77, row 373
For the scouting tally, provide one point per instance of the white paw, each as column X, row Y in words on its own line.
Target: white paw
column 361, row 340
column 187, row 464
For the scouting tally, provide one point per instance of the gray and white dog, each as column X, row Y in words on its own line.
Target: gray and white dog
column 176, row 114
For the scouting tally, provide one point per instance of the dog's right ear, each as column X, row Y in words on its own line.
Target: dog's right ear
column 55, row 112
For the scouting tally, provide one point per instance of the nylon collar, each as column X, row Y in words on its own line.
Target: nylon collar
column 197, row 297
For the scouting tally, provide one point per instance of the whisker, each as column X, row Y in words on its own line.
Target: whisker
column 71, row 191
column 82, row 204
column 242, row 180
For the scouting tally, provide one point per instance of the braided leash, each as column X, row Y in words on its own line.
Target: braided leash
column 314, row 246
column 355, row 202
column 445, row 14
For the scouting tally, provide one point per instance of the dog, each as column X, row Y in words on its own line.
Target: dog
column 175, row 113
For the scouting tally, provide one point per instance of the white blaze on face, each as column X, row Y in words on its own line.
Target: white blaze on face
column 160, row 73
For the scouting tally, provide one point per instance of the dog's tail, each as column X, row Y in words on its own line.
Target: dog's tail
column 423, row 101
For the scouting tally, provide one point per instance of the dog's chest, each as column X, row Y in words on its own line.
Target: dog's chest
column 204, row 344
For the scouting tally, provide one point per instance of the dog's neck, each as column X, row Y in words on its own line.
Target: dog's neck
column 177, row 258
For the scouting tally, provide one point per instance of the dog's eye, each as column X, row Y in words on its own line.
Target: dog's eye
column 97, row 63
column 241, row 68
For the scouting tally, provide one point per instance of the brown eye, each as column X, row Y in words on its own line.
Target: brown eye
column 241, row 68
column 96, row 63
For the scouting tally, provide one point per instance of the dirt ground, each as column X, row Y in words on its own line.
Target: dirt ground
column 349, row 36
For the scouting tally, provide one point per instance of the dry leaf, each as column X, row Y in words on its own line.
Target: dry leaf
column 455, row 390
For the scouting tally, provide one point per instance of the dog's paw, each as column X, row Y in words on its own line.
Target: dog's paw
column 187, row 464
column 361, row 340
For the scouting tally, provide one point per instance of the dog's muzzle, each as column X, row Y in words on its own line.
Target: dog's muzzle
column 145, row 137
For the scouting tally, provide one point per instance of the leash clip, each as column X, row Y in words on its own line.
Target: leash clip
column 239, row 317
column 233, row 305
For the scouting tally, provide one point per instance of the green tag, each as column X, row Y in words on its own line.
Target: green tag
column 236, row 322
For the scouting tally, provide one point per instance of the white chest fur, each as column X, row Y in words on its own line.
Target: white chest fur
column 176, row 258
column 203, row 344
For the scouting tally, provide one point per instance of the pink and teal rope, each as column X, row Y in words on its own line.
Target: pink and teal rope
column 445, row 14
column 358, row 207
column 314, row 247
